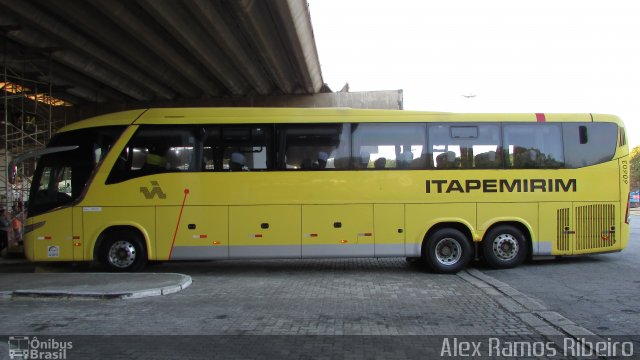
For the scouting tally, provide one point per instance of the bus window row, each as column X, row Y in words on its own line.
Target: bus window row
column 344, row 146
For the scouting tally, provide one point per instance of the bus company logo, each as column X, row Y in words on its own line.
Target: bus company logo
column 501, row 185
column 25, row 347
column 155, row 190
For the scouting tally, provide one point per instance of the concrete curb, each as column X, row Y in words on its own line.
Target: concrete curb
column 182, row 282
column 530, row 310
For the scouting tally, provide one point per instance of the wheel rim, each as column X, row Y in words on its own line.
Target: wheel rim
column 448, row 251
column 122, row 254
column 505, row 247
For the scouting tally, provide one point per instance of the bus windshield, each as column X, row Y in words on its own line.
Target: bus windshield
column 60, row 178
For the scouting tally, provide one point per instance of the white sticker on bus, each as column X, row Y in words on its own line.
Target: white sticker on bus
column 53, row 251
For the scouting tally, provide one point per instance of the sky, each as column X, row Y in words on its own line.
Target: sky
column 500, row 56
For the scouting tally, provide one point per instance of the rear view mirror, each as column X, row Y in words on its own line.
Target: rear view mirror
column 12, row 172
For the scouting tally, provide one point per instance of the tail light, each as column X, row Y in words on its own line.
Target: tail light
column 627, row 218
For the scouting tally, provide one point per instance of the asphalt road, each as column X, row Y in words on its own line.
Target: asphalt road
column 599, row 292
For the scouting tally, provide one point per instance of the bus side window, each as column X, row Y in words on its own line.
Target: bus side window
column 589, row 143
column 532, row 146
column 244, row 147
column 389, row 146
column 156, row 150
column 465, row 146
column 313, row 146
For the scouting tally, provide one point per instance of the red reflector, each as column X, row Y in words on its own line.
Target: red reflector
column 627, row 217
column 540, row 117
column 76, row 237
column 258, row 235
column 313, row 235
column 47, row 237
column 203, row 236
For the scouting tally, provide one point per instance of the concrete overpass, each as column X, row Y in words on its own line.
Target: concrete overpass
column 101, row 51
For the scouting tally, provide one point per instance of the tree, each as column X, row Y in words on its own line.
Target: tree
column 635, row 168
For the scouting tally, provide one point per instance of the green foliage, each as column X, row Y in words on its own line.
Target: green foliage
column 635, row 168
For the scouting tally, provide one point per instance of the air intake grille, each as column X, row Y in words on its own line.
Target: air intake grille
column 595, row 226
column 563, row 229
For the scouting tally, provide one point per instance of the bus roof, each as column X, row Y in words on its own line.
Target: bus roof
column 315, row 115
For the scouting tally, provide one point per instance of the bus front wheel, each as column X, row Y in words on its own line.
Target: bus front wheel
column 123, row 250
column 447, row 251
column 504, row 247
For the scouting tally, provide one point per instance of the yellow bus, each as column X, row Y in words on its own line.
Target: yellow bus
column 229, row 183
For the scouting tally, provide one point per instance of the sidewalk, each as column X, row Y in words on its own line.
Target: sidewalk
column 90, row 285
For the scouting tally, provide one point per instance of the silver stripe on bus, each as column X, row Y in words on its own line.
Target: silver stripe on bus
column 286, row 251
column 389, row 250
column 273, row 251
column 344, row 250
column 199, row 252
column 544, row 248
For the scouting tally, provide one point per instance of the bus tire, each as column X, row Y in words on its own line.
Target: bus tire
column 447, row 251
column 123, row 250
column 504, row 247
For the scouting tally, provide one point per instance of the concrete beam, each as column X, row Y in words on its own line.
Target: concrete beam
column 133, row 23
column 213, row 21
column 174, row 17
column 61, row 34
column 92, row 22
column 295, row 20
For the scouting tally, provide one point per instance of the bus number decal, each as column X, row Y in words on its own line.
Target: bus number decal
column 625, row 171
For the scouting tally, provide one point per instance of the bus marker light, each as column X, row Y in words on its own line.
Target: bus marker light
column 77, row 244
column 344, row 241
column 216, row 243
column 627, row 217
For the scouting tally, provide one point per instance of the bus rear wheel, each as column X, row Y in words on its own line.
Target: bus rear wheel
column 447, row 251
column 504, row 247
column 122, row 251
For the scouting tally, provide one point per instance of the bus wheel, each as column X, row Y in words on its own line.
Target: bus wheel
column 504, row 247
column 123, row 251
column 447, row 251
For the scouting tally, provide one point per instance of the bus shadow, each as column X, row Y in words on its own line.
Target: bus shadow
column 347, row 265
column 560, row 262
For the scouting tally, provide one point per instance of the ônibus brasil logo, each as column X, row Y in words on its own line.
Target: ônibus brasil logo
column 25, row 347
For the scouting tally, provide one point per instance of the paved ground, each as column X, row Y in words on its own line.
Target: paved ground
column 339, row 308
column 601, row 292
column 360, row 307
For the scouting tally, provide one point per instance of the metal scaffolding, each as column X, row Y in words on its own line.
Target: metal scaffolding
column 28, row 120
